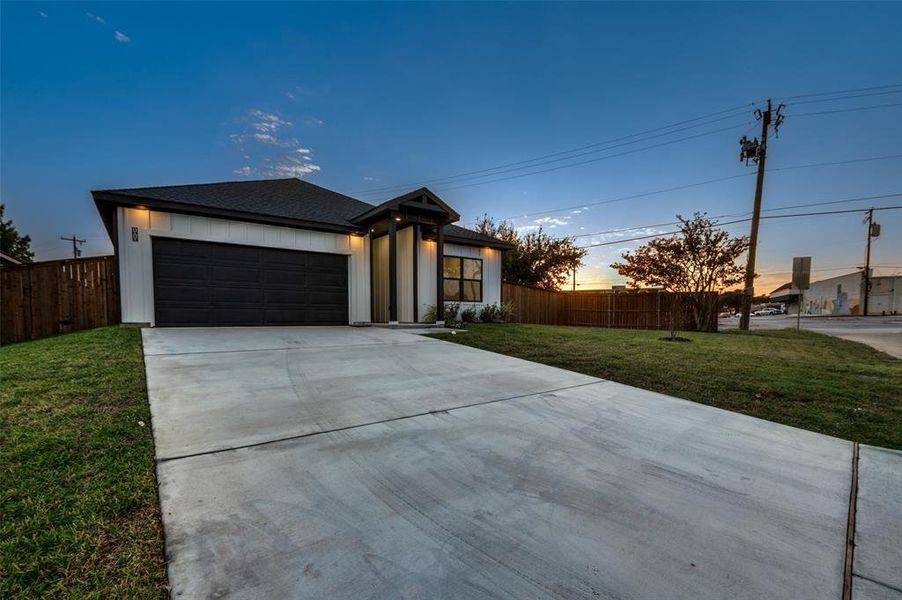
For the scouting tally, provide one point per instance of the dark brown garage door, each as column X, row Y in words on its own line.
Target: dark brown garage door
column 201, row 283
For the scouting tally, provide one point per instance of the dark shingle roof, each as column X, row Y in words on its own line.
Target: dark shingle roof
column 291, row 199
column 286, row 198
column 462, row 233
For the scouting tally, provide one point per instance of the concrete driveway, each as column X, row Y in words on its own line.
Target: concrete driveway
column 349, row 463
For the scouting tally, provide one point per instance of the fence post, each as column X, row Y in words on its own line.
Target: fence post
column 658, row 309
column 29, row 305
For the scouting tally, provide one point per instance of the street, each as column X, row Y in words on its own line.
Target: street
column 882, row 333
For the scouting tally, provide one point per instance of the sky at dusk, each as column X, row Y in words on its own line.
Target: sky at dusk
column 521, row 111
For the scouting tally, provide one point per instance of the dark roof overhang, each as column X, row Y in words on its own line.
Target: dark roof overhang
column 107, row 201
column 418, row 206
column 462, row 241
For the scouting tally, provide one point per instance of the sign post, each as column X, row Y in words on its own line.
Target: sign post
column 801, row 281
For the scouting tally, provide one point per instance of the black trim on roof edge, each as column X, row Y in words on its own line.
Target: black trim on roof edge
column 338, row 220
column 451, row 239
column 397, row 202
column 117, row 199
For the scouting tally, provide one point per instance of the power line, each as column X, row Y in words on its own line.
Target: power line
column 630, row 197
column 499, row 170
column 559, row 153
column 828, row 202
column 832, row 269
column 696, row 184
column 899, row 91
column 454, row 187
column 592, row 160
column 746, row 220
column 844, row 110
column 849, row 91
column 809, row 204
column 840, row 162
column 611, row 147
column 526, row 163
column 819, row 269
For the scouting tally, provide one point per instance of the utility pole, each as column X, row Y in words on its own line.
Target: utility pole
column 574, row 279
column 76, row 251
column 873, row 231
column 756, row 151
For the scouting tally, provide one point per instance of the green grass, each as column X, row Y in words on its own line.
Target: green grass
column 80, row 516
column 803, row 379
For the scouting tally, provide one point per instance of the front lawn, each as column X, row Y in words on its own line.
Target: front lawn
column 80, row 516
column 803, row 379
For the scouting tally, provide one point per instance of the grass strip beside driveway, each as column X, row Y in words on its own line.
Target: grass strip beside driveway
column 804, row 379
column 80, row 516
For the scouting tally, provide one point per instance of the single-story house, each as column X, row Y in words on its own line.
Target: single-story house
column 288, row 252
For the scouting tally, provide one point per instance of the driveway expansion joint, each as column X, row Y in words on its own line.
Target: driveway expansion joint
column 850, row 527
column 276, row 349
column 166, row 459
column 876, row 582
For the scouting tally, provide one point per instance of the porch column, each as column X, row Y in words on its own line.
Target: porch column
column 439, row 276
column 392, row 272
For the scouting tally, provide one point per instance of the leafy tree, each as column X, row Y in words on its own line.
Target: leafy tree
column 698, row 260
column 11, row 243
column 537, row 259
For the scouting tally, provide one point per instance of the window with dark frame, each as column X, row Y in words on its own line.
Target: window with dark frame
column 463, row 279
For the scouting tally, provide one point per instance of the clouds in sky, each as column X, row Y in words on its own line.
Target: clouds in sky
column 267, row 122
column 117, row 35
column 550, row 222
column 264, row 139
column 612, row 236
column 553, row 221
column 290, row 166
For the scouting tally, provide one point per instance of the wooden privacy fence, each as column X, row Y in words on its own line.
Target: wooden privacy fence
column 630, row 309
column 58, row 296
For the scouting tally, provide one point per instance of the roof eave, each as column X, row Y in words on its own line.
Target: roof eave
column 402, row 204
column 479, row 243
column 119, row 199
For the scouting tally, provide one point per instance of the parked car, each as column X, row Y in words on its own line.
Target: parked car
column 767, row 312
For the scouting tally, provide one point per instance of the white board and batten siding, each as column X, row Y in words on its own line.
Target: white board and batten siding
column 426, row 276
column 425, row 279
column 136, row 260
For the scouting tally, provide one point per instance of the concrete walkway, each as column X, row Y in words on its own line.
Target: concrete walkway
column 346, row 463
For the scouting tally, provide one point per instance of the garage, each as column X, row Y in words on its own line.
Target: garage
column 207, row 284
